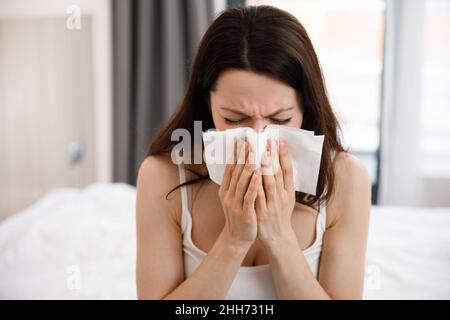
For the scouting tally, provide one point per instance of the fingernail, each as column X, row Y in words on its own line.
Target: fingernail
column 240, row 144
column 264, row 158
column 273, row 145
column 251, row 159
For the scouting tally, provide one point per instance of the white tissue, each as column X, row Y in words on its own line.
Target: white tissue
column 305, row 150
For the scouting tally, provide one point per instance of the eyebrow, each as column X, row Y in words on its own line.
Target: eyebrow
column 243, row 114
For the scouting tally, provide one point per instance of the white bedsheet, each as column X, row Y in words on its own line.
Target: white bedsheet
column 80, row 244
column 408, row 254
column 68, row 238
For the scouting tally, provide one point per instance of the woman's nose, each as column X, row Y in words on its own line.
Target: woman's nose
column 259, row 124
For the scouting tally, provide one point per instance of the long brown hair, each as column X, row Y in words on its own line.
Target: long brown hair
column 268, row 41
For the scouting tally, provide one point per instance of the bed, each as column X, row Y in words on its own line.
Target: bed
column 80, row 244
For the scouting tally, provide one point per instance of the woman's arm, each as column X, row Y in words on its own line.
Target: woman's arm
column 213, row 278
column 342, row 264
column 160, row 270
column 341, row 271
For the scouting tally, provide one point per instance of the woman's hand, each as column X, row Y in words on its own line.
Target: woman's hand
column 237, row 194
column 276, row 196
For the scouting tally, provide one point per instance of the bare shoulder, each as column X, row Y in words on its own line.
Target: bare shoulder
column 349, row 169
column 158, row 166
column 157, row 176
column 352, row 186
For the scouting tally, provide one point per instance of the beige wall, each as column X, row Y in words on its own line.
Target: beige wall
column 55, row 88
column 46, row 103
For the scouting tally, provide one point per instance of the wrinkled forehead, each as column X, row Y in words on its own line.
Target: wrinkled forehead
column 252, row 93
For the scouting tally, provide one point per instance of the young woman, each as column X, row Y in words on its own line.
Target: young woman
column 252, row 237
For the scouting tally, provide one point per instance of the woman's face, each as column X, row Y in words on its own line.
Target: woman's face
column 246, row 99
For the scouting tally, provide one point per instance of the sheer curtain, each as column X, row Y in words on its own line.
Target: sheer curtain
column 415, row 135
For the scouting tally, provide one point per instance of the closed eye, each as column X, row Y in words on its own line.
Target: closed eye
column 229, row 121
column 276, row 121
column 281, row 121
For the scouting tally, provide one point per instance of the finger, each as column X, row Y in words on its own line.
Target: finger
column 252, row 192
column 240, row 162
column 261, row 197
column 244, row 179
column 250, row 149
column 273, row 149
column 268, row 179
column 229, row 167
column 286, row 167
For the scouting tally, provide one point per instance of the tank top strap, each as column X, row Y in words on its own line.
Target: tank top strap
column 185, row 214
column 323, row 216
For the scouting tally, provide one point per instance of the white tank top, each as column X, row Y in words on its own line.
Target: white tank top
column 251, row 282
